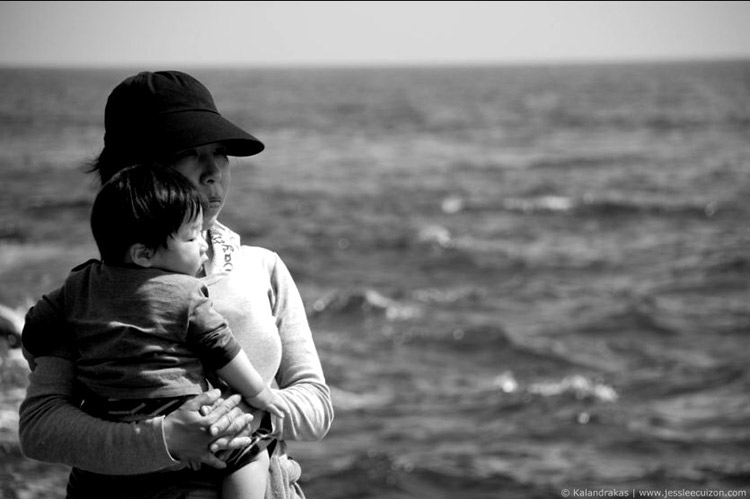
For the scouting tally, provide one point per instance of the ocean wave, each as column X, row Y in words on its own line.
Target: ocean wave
column 441, row 474
column 576, row 386
column 736, row 473
column 460, row 294
column 640, row 316
column 724, row 263
column 590, row 205
column 657, row 122
column 693, row 406
column 540, row 204
column 502, row 347
column 463, row 253
column 665, row 382
column 13, row 232
column 608, row 160
column 46, row 203
column 593, row 205
column 360, row 303
column 435, row 235
column 350, row 401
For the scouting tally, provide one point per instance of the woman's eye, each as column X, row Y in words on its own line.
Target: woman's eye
column 181, row 156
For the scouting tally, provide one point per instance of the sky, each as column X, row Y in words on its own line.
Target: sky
column 97, row 34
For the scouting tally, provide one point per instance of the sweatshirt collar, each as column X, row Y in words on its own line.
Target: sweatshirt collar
column 225, row 244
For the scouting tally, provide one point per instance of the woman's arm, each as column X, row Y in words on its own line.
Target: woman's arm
column 300, row 374
column 53, row 429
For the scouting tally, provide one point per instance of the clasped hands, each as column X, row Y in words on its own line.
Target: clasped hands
column 207, row 424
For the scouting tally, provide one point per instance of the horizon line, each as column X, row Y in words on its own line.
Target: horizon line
column 385, row 64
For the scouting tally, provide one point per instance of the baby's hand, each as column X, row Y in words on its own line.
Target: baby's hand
column 271, row 402
column 277, row 406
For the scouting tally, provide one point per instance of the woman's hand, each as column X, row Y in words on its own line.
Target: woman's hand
column 233, row 433
column 207, row 420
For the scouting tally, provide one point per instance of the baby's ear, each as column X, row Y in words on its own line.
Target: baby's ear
column 141, row 255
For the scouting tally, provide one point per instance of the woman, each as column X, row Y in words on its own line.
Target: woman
column 170, row 117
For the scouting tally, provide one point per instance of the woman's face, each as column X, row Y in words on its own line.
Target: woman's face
column 207, row 168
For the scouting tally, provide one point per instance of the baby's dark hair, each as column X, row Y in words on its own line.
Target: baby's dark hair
column 141, row 204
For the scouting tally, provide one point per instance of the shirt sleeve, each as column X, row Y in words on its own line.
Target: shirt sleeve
column 44, row 331
column 209, row 333
column 300, row 375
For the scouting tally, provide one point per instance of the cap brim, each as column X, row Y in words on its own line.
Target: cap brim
column 189, row 129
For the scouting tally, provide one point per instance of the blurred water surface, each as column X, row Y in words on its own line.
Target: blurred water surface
column 520, row 279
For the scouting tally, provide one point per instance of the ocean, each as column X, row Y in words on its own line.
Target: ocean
column 523, row 281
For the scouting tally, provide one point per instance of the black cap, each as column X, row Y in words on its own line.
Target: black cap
column 155, row 115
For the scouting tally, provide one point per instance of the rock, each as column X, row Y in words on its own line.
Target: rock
column 11, row 325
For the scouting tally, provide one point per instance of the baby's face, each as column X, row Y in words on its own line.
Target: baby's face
column 185, row 251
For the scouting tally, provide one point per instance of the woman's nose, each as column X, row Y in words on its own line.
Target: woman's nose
column 211, row 171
